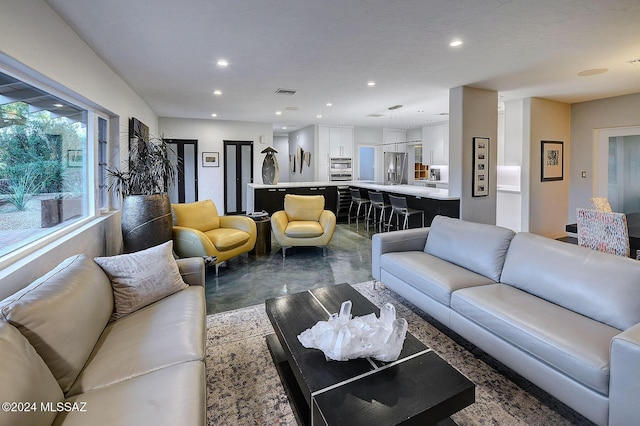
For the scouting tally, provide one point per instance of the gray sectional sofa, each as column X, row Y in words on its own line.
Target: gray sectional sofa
column 565, row 317
column 63, row 362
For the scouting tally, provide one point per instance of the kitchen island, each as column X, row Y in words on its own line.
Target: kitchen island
column 432, row 201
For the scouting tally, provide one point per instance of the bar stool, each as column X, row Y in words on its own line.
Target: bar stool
column 399, row 207
column 377, row 202
column 357, row 199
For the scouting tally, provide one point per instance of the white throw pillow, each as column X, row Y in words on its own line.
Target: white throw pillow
column 141, row 278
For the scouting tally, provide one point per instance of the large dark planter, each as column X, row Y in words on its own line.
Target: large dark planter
column 146, row 221
column 56, row 210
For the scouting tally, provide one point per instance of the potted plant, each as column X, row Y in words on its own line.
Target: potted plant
column 146, row 209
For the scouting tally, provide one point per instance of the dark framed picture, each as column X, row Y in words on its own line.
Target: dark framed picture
column 480, row 167
column 74, row 158
column 210, row 159
column 552, row 161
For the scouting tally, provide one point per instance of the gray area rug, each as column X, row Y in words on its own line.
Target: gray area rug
column 244, row 387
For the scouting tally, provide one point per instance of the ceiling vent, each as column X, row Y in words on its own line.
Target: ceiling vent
column 375, row 115
column 287, row 92
column 391, row 108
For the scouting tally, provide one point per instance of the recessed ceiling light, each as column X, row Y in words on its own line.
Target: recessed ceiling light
column 319, row 116
column 214, row 115
column 455, row 43
column 284, row 127
column 329, row 104
column 594, row 71
column 278, row 112
column 420, row 111
column 222, row 63
column 58, row 105
column 217, row 92
column 371, row 83
column 634, row 61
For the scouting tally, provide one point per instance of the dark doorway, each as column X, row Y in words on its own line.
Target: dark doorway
column 238, row 172
column 184, row 188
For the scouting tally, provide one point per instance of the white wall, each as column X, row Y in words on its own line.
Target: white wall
column 368, row 136
column 472, row 113
column 414, row 134
column 210, row 135
column 548, row 202
column 305, row 139
column 619, row 111
column 35, row 44
column 281, row 144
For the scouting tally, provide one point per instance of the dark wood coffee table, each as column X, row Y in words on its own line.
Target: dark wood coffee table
column 418, row 388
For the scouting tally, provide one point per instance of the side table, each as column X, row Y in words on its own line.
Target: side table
column 263, row 237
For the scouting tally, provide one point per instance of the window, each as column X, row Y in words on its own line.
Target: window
column 43, row 164
column 103, row 193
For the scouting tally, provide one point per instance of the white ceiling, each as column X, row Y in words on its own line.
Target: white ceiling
column 327, row 50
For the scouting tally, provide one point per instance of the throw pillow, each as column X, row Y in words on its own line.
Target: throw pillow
column 141, row 278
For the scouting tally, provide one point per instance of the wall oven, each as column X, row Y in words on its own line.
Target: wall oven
column 340, row 169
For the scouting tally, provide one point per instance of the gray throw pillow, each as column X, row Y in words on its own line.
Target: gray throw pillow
column 141, row 278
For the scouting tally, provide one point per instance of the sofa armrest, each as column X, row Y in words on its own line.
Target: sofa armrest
column 327, row 221
column 243, row 223
column 189, row 242
column 192, row 270
column 279, row 222
column 405, row 240
column 624, row 386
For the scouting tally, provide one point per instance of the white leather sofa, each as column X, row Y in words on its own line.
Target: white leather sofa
column 63, row 363
column 565, row 317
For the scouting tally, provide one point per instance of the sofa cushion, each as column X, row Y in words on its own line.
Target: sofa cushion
column 25, row 378
column 479, row 247
column 170, row 396
column 227, row 238
column 303, row 229
column 168, row 332
column 303, row 207
column 595, row 284
column 62, row 314
column 201, row 215
column 431, row 275
column 574, row 344
column 141, row 278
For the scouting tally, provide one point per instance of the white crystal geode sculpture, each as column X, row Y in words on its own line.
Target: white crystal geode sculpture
column 342, row 338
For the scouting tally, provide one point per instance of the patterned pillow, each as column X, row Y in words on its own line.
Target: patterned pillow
column 141, row 278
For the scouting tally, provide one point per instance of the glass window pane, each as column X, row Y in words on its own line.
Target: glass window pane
column 43, row 163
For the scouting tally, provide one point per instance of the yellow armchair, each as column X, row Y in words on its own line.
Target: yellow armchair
column 303, row 222
column 199, row 231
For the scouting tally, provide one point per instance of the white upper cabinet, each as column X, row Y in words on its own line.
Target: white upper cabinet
column 340, row 142
column 333, row 142
column 394, row 140
column 435, row 144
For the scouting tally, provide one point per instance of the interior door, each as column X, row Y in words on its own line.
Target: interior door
column 238, row 172
column 184, row 188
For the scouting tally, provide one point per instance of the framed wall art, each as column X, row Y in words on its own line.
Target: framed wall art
column 210, row 159
column 552, row 161
column 480, row 167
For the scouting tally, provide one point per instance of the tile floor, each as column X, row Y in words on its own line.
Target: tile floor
column 248, row 280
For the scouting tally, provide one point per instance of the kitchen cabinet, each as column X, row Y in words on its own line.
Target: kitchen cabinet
column 272, row 199
column 333, row 142
column 341, row 142
column 435, row 144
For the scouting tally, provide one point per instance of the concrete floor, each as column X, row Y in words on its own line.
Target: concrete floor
column 249, row 280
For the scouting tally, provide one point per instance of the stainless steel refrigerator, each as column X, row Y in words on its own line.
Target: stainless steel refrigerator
column 395, row 168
